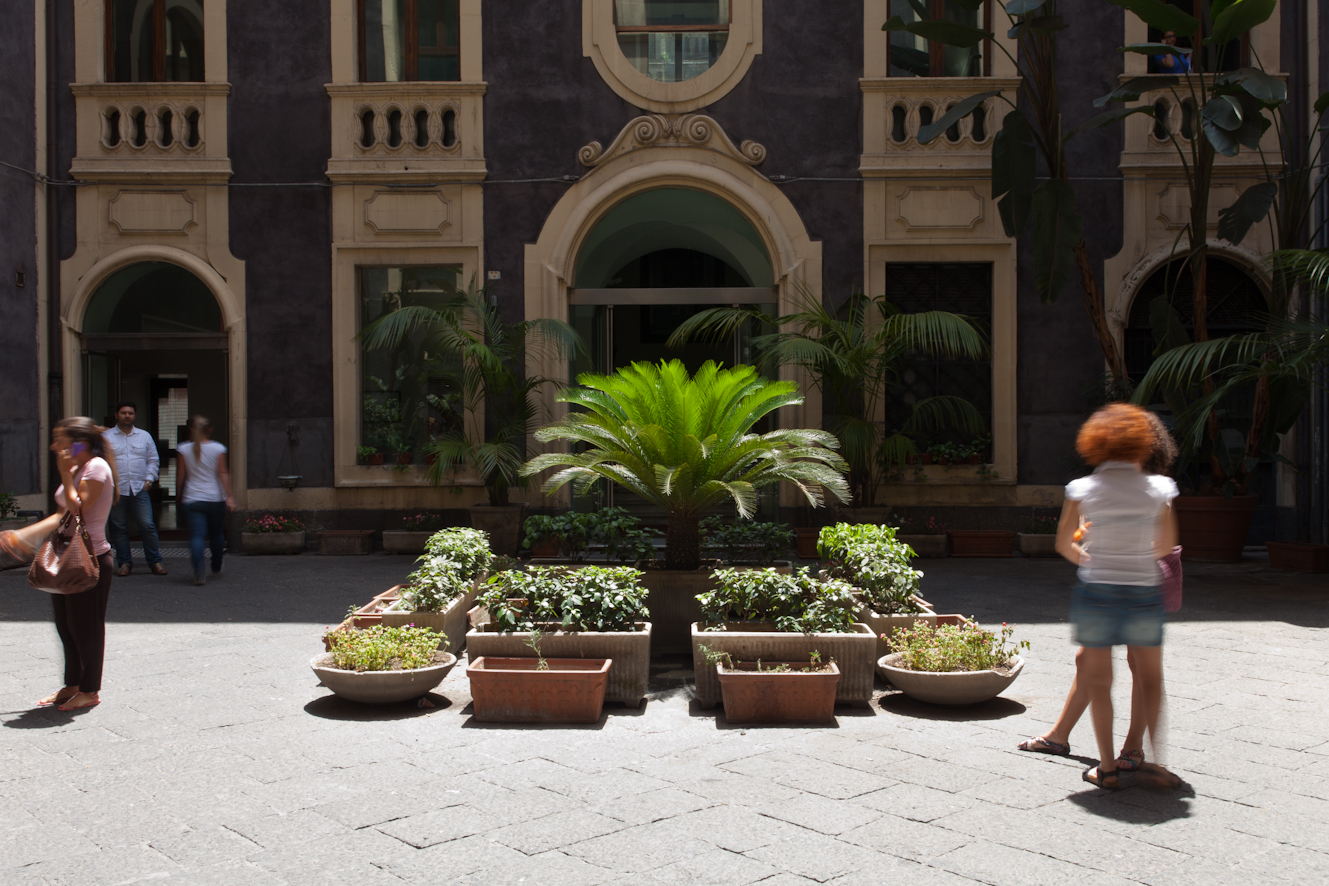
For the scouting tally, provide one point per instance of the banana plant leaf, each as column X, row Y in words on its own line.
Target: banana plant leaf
column 1236, row 18
column 1160, row 15
column 1235, row 221
column 1014, row 164
column 1056, row 234
column 951, row 117
column 1132, row 89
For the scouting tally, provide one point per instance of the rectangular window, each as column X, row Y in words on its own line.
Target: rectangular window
column 154, row 41
column 1228, row 57
column 410, row 394
column 961, row 288
column 913, row 56
column 672, row 40
column 409, row 40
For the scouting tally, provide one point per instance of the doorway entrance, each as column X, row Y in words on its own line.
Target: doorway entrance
column 153, row 335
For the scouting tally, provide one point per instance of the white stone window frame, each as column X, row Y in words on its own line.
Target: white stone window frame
column 600, row 45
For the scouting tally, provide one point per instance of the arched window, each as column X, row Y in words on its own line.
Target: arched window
column 154, row 40
column 408, row 40
column 152, row 297
column 672, row 40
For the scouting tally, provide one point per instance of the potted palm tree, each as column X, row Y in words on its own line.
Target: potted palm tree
column 481, row 355
column 685, row 443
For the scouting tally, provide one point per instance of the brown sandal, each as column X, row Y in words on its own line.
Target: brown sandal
column 1108, row 781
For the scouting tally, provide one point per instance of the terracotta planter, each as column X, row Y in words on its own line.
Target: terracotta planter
column 889, row 624
column 981, row 542
column 1212, row 527
column 511, row 690
column 376, row 458
column 953, row 688
column 345, row 542
column 629, row 654
column 805, row 541
column 752, row 696
column 546, row 549
column 928, row 546
column 451, row 621
column 855, row 653
column 503, row 523
column 405, row 541
column 381, row 687
column 403, row 458
column 1037, row 544
column 273, row 542
column 1298, row 556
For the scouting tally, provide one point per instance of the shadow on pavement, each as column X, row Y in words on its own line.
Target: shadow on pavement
column 995, row 709
column 1137, row 803
column 43, row 718
column 332, row 707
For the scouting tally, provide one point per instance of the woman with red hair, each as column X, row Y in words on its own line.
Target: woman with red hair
column 1118, row 600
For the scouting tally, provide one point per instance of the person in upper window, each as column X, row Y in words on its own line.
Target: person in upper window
column 136, row 454
column 1166, row 63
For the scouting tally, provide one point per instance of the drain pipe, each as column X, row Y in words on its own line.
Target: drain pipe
column 55, row 347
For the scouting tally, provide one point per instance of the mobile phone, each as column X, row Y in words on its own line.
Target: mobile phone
column 76, row 448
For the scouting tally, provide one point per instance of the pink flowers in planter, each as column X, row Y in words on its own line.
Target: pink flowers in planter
column 272, row 523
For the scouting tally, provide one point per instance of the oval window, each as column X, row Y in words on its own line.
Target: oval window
column 672, row 40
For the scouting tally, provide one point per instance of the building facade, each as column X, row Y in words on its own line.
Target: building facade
column 210, row 198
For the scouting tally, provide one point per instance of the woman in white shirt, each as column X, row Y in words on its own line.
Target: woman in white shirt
column 205, row 482
column 1118, row 600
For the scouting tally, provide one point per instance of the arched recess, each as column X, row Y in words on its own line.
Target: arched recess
column 74, row 314
column 551, row 262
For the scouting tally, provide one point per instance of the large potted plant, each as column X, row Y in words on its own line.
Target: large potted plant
column 759, row 614
column 415, row 532
column 272, row 534
column 444, row 586
column 481, row 353
column 380, row 665
column 876, row 563
column 685, row 443
column 952, row 664
column 592, row 613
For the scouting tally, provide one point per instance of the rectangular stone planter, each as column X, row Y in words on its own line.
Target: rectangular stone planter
column 1298, row 556
column 1037, row 544
column 927, row 546
column 855, row 654
column 405, row 541
column 451, row 621
column 981, row 542
column 629, row 651
column 273, row 542
column 888, row 624
column 752, row 696
column 512, row 690
column 343, row 542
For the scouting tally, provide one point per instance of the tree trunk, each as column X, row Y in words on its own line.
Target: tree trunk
column 1093, row 303
column 683, row 541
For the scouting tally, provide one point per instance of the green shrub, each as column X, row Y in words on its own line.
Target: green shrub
column 593, row 598
column 874, row 561
column 745, row 541
column 384, row 649
column 618, row 531
column 468, row 548
column 798, row 603
column 8, row 505
column 947, row 648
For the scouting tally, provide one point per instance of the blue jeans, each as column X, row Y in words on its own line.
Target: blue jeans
column 206, row 519
column 138, row 506
column 1117, row 615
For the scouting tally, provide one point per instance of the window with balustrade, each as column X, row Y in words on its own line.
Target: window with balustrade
column 672, row 40
column 914, row 56
column 152, row 41
column 408, row 40
column 1212, row 59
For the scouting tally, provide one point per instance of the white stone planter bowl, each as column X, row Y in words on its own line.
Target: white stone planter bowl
column 380, row 687
column 951, row 688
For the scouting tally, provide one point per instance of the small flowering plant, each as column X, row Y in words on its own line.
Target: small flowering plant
column 422, row 523
column 272, row 523
column 949, row 648
column 381, row 648
column 920, row 526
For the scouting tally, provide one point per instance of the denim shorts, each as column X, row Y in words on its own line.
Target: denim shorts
column 1117, row 615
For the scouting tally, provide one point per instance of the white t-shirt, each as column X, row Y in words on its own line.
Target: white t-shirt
column 201, row 483
column 1124, row 504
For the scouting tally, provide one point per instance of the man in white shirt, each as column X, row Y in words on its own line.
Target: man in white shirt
column 137, row 466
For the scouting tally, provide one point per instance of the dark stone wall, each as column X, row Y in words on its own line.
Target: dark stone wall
column 280, row 133
column 20, row 446
column 1058, row 358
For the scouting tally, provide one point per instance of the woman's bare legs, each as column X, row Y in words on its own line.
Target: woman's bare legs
column 1077, row 700
column 1094, row 673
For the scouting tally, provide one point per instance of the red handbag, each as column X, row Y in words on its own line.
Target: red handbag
column 65, row 564
column 1170, row 566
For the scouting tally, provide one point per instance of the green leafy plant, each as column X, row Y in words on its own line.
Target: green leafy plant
column 799, row 603
column 592, row 598
column 435, row 583
column 468, row 548
column 381, row 648
column 503, row 563
column 533, row 641
column 273, row 523
column 871, row 559
column 854, row 351
column 8, row 505
column 363, row 453
column 685, row 443
column 948, row 648
column 573, row 531
column 744, row 541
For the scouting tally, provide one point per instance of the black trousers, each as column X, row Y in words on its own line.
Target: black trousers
column 80, row 619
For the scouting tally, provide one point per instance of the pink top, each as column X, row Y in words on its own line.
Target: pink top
column 94, row 518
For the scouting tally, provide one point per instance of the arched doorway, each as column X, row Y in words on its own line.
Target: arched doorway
column 153, row 333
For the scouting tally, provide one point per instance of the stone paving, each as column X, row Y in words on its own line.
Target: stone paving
column 216, row 758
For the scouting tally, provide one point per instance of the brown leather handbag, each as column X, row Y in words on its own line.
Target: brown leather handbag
column 65, row 565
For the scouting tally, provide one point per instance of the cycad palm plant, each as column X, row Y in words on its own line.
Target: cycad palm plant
column 685, row 444
column 854, row 352
column 480, row 356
